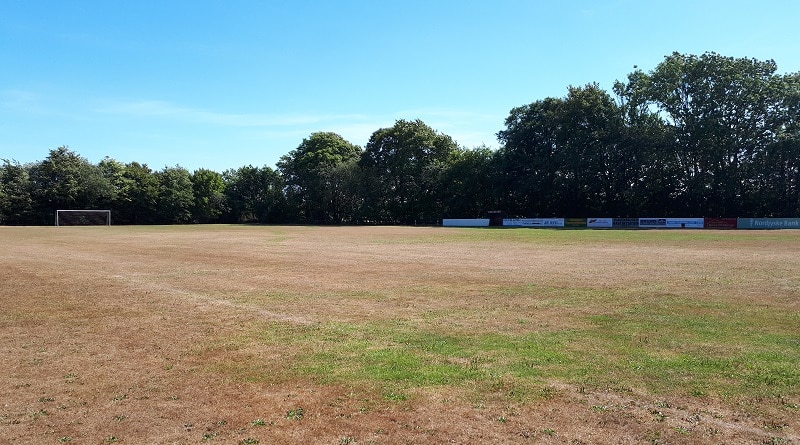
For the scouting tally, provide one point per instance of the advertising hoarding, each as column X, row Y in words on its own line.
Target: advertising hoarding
column 720, row 223
column 457, row 222
column 600, row 223
column 625, row 223
column 685, row 223
column 533, row 222
column 653, row 223
column 768, row 223
column 634, row 223
column 575, row 222
column 671, row 223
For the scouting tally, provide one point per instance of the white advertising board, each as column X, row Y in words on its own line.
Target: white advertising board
column 671, row 223
column 533, row 222
column 685, row 223
column 600, row 223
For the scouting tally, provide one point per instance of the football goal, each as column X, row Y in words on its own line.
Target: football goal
column 83, row 217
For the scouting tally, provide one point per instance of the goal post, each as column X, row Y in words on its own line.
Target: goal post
column 83, row 217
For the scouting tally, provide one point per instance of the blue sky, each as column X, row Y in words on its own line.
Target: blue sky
column 223, row 84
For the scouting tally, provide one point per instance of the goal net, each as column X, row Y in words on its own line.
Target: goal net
column 83, row 217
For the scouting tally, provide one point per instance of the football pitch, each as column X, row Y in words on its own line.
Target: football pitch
column 382, row 335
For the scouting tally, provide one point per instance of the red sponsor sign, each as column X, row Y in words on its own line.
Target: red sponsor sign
column 720, row 223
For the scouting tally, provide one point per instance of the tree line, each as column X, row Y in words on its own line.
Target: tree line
column 704, row 135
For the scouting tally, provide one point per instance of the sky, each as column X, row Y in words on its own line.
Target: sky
column 221, row 84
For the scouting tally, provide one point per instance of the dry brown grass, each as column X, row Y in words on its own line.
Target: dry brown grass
column 151, row 334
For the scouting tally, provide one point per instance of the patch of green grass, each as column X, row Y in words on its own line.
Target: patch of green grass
column 682, row 430
column 395, row 396
column 571, row 237
column 717, row 348
column 39, row 413
column 295, row 414
column 660, row 344
column 400, row 353
column 396, row 354
column 647, row 335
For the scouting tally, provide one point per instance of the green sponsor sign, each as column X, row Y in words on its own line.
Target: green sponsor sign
column 768, row 223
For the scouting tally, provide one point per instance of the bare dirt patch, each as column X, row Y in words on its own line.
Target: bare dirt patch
column 155, row 334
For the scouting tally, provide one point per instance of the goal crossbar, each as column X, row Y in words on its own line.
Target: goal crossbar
column 83, row 217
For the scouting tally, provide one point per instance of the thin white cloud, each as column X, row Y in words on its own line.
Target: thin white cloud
column 22, row 101
column 447, row 113
column 166, row 110
column 468, row 128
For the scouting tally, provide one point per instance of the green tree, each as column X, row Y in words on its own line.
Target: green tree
column 311, row 175
column 254, row 195
column 175, row 196
column 209, row 195
column 529, row 158
column 402, row 165
column 565, row 156
column 778, row 181
column 3, row 196
column 467, row 186
column 593, row 167
column 16, row 205
column 343, row 192
column 650, row 185
column 137, row 195
column 113, row 171
column 65, row 180
column 723, row 113
column 777, row 168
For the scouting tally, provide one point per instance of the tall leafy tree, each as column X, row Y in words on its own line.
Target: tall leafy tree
column 529, row 158
column 254, row 195
column 311, row 175
column 777, row 168
column 594, row 168
column 723, row 112
column 3, row 196
column 137, row 195
column 113, row 171
column 343, row 192
column 651, row 184
column 65, row 180
column 778, row 180
column 209, row 195
column 565, row 156
column 402, row 164
column 175, row 196
column 467, row 185
column 16, row 204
